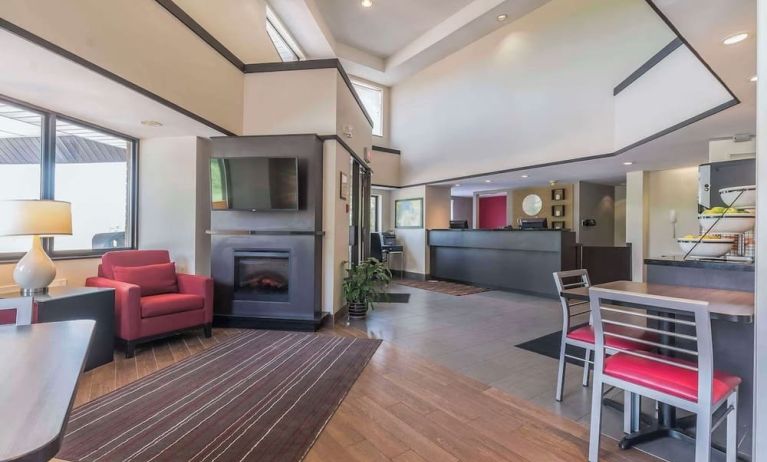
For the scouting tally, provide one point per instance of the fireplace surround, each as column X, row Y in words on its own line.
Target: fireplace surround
column 267, row 265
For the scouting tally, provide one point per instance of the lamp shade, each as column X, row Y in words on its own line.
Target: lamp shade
column 35, row 218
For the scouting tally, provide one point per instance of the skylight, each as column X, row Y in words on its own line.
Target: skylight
column 283, row 42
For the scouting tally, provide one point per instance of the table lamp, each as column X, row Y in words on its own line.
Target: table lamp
column 35, row 271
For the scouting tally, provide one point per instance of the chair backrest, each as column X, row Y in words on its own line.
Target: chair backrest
column 376, row 247
column 686, row 324
column 572, row 310
column 130, row 258
column 23, row 307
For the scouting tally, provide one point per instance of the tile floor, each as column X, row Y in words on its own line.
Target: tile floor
column 476, row 335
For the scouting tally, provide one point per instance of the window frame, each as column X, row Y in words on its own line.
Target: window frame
column 48, row 180
column 376, row 212
column 273, row 20
column 380, row 90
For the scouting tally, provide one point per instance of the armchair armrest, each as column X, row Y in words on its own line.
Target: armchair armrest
column 127, row 305
column 198, row 285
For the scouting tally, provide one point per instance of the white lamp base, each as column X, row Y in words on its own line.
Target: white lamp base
column 35, row 271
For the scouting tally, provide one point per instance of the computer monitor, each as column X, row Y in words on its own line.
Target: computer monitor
column 459, row 224
column 533, row 223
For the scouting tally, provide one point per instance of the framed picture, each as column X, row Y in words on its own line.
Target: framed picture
column 558, row 194
column 408, row 213
column 344, row 186
column 557, row 225
column 558, row 211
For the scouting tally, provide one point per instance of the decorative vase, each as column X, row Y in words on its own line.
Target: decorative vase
column 358, row 310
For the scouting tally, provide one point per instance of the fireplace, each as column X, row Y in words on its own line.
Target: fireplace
column 262, row 276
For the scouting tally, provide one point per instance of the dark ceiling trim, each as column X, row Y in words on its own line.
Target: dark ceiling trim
column 673, row 28
column 200, row 31
column 620, row 151
column 310, row 64
column 658, row 57
column 389, row 150
column 348, row 149
column 52, row 47
column 385, row 186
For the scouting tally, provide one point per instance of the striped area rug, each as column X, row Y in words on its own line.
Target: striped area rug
column 259, row 396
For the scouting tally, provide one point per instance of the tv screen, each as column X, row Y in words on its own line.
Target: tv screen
column 254, row 183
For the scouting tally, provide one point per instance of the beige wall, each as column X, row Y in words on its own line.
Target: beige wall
column 162, row 55
column 335, row 224
column 349, row 114
column 387, row 219
column 414, row 240
column 174, row 205
column 637, row 220
column 619, row 238
column 518, row 195
column 386, row 171
column 290, row 102
column 672, row 190
column 384, row 140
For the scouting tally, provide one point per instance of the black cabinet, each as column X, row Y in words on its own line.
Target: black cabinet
column 70, row 303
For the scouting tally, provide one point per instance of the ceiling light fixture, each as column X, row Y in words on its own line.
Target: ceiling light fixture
column 525, row 176
column 754, row 78
column 628, row 162
column 151, row 123
column 502, row 17
column 488, row 181
column 737, row 38
column 367, row 3
column 457, row 185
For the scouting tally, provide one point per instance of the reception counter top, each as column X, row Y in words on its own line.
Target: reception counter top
column 515, row 260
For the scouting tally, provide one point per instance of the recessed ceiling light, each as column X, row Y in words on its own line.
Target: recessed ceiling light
column 151, row 123
column 457, row 185
column 628, row 162
column 754, row 78
column 733, row 39
column 525, row 176
column 488, row 181
column 367, row 3
column 502, row 17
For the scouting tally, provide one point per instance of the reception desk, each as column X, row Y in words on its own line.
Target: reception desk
column 515, row 260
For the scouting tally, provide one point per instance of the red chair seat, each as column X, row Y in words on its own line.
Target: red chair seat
column 163, row 304
column 586, row 334
column 666, row 378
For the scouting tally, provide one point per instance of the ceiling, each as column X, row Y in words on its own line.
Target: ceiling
column 388, row 25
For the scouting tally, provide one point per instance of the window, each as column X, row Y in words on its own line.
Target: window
column 372, row 99
column 20, row 160
column 375, row 211
column 286, row 46
column 89, row 167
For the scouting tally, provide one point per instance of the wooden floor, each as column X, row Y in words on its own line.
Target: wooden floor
column 403, row 408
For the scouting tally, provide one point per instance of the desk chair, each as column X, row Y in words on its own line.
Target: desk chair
column 688, row 383
column 22, row 306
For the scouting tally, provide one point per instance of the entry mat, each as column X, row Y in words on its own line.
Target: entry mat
column 549, row 345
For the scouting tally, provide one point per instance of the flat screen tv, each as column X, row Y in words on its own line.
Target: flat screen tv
column 254, row 184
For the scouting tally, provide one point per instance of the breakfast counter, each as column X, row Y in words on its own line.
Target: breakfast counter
column 515, row 260
column 713, row 274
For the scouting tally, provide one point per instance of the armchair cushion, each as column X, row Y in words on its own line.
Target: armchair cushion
column 163, row 304
column 153, row 279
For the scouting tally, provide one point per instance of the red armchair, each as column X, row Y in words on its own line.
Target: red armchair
column 142, row 315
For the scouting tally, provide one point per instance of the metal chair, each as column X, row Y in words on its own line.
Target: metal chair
column 690, row 385
column 23, row 307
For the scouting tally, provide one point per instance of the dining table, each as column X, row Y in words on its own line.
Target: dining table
column 731, row 311
column 41, row 365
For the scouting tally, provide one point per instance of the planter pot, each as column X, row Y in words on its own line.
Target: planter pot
column 358, row 310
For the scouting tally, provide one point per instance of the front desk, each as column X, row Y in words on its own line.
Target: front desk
column 521, row 261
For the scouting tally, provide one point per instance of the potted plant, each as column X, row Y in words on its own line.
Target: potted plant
column 362, row 283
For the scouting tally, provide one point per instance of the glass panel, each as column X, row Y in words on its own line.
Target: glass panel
column 92, row 173
column 283, row 49
column 372, row 99
column 374, row 213
column 263, row 276
column 20, row 148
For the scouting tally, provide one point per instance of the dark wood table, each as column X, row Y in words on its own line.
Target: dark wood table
column 724, row 305
column 41, row 364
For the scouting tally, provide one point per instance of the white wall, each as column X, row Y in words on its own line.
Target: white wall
column 349, row 115
column 637, row 220
column 162, row 55
column 671, row 190
column 518, row 95
column 174, row 204
column 414, row 240
column 385, row 204
column 335, row 224
column 385, row 139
